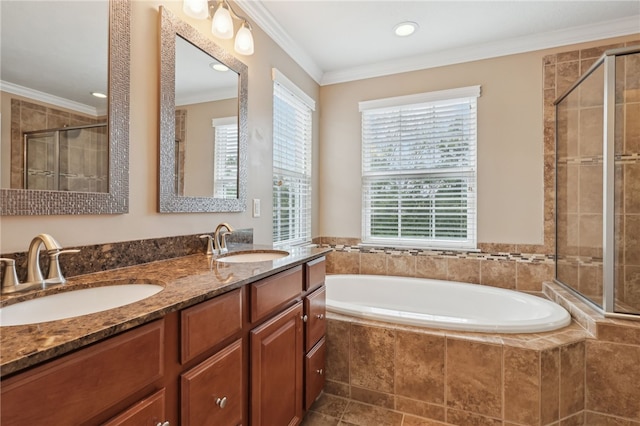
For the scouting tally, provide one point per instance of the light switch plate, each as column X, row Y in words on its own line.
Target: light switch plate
column 256, row 207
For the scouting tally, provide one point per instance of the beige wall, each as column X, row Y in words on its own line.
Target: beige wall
column 510, row 143
column 143, row 221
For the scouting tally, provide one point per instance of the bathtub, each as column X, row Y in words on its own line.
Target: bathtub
column 442, row 304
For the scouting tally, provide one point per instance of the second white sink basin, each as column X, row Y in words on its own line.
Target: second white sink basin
column 75, row 303
column 253, row 256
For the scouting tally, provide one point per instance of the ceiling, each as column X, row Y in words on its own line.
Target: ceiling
column 334, row 41
column 337, row 41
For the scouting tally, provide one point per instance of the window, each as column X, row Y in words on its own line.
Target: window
column 292, row 135
column 419, row 169
column 225, row 169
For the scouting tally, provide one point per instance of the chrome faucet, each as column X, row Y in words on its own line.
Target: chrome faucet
column 34, row 273
column 10, row 283
column 219, row 238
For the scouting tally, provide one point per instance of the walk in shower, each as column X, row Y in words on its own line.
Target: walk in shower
column 598, row 184
column 67, row 159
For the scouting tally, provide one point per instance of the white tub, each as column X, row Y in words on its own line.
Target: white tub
column 442, row 304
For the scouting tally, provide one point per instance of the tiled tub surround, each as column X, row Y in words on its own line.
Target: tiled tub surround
column 432, row 377
column 565, row 377
column 186, row 280
column 497, row 265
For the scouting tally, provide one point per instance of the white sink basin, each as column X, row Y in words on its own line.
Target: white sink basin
column 253, row 256
column 75, row 303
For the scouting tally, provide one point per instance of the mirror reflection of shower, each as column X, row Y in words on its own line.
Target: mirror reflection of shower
column 74, row 158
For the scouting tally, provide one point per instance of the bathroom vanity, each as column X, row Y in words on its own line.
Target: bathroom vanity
column 222, row 344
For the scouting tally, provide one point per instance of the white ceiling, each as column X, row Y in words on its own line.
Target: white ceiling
column 336, row 41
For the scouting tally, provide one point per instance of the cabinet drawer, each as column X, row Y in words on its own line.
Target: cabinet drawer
column 314, row 364
column 209, row 323
column 148, row 412
column 78, row 387
column 315, row 273
column 316, row 325
column 212, row 391
column 269, row 294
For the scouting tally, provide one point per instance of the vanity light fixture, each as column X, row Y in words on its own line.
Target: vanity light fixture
column 222, row 22
column 404, row 29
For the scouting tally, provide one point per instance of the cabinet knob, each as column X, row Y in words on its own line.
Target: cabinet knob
column 221, row 402
column 305, row 318
column 320, row 316
column 163, row 424
column 320, row 372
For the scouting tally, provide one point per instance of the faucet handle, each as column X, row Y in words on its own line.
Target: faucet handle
column 210, row 249
column 55, row 273
column 10, row 280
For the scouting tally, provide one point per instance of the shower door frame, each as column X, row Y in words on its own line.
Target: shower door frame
column 608, row 61
column 56, row 149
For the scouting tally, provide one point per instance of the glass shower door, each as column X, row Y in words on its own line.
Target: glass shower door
column 41, row 161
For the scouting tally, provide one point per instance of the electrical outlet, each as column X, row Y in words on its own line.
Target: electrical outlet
column 256, row 207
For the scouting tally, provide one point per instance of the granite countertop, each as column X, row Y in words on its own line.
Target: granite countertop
column 186, row 280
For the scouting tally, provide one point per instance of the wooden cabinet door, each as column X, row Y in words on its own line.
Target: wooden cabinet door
column 316, row 325
column 314, row 367
column 276, row 370
column 212, row 391
column 148, row 412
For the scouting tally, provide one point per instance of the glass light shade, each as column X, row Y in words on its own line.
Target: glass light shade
column 222, row 24
column 198, row 9
column 244, row 41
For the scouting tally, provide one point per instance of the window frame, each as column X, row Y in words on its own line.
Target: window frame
column 299, row 225
column 468, row 173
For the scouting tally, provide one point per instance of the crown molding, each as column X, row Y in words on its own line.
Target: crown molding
column 261, row 16
column 603, row 30
column 37, row 95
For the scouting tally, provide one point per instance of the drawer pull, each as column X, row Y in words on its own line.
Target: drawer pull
column 320, row 372
column 221, row 402
column 305, row 318
column 320, row 316
column 163, row 424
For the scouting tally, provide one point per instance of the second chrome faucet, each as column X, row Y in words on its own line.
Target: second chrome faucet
column 218, row 243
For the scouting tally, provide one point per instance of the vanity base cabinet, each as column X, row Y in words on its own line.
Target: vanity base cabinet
column 211, row 392
column 276, row 370
column 251, row 356
column 89, row 386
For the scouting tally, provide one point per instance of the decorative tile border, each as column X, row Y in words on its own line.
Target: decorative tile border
column 479, row 255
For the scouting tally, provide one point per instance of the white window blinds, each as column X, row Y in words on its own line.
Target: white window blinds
column 292, row 136
column 225, row 184
column 419, row 170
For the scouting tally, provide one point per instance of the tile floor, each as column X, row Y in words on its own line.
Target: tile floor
column 331, row 410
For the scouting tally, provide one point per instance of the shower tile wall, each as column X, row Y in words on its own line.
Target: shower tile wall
column 28, row 116
column 580, row 174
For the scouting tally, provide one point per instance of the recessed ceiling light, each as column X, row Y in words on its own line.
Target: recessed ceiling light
column 405, row 29
column 99, row 95
column 218, row 66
